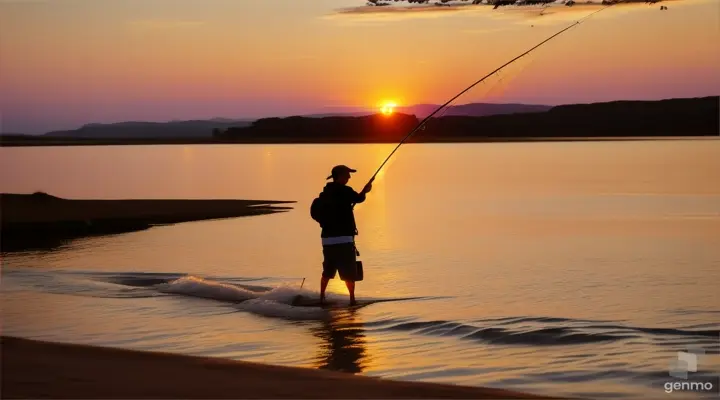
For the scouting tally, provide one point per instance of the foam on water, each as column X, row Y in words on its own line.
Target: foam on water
column 287, row 294
column 290, row 302
column 269, row 302
column 199, row 287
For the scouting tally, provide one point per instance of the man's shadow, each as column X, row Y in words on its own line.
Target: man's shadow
column 344, row 346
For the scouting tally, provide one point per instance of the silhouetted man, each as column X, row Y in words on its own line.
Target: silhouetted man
column 339, row 230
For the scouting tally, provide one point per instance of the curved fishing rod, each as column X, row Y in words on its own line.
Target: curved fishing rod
column 422, row 123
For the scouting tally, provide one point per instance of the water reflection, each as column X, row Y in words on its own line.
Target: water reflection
column 344, row 344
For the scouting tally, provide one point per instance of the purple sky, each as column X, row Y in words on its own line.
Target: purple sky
column 65, row 64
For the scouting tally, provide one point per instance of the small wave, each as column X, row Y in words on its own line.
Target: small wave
column 662, row 331
column 278, row 302
column 571, row 332
column 148, row 279
column 537, row 319
column 693, row 312
column 286, row 302
column 199, row 287
column 289, row 295
column 543, row 336
column 59, row 282
column 143, row 280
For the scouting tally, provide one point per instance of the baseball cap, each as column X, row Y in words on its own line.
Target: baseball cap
column 339, row 169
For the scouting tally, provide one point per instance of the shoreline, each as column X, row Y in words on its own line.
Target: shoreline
column 39, row 369
column 686, row 117
column 43, row 221
column 68, row 142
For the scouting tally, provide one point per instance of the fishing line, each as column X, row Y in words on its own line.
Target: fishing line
column 436, row 121
column 485, row 93
column 489, row 91
column 508, row 76
column 498, row 83
column 479, row 81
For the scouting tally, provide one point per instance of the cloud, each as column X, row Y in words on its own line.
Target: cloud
column 164, row 24
column 386, row 14
column 551, row 12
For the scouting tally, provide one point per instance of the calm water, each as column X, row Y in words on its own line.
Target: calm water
column 573, row 269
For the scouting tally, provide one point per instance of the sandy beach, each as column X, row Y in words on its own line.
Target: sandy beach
column 35, row 369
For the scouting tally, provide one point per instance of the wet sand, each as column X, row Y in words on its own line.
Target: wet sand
column 41, row 220
column 35, row 369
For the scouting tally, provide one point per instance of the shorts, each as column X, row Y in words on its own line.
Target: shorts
column 340, row 258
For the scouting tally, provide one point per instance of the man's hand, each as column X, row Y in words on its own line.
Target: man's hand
column 368, row 187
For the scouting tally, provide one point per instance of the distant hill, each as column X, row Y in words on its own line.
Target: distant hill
column 472, row 109
column 199, row 129
column 140, row 130
column 365, row 127
column 464, row 123
column 671, row 117
column 341, row 114
column 12, row 134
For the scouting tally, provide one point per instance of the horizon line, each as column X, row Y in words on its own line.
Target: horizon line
column 348, row 109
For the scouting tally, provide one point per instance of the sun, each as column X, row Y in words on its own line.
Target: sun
column 388, row 108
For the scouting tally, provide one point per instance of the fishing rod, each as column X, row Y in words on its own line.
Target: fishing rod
column 422, row 123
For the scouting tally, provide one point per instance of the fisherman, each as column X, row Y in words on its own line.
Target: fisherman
column 339, row 229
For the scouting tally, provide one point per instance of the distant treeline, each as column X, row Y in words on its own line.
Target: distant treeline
column 367, row 128
column 673, row 117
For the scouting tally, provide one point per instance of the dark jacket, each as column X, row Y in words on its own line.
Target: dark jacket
column 342, row 220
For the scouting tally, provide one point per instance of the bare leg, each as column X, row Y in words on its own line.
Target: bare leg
column 351, row 288
column 323, row 285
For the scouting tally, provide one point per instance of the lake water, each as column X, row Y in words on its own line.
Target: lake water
column 575, row 268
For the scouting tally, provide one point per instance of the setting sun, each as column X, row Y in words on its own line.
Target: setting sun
column 388, row 108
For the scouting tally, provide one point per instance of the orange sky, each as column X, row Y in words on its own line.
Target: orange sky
column 70, row 62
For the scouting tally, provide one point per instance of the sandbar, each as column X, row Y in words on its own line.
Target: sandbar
column 42, row 220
